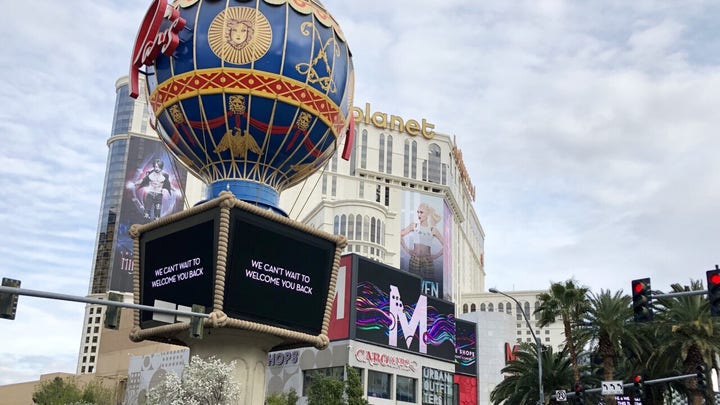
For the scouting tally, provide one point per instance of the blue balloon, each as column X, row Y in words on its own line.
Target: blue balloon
column 253, row 96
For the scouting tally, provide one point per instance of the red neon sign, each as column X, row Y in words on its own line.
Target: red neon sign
column 150, row 42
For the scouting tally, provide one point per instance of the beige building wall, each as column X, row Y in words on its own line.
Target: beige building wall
column 551, row 335
column 391, row 158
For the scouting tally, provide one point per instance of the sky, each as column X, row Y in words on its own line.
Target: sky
column 589, row 129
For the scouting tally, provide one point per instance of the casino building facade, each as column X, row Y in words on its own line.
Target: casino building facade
column 404, row 198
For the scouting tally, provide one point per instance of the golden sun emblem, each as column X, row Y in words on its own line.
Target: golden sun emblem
column 240, row 35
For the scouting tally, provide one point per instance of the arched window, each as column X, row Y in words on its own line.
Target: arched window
column 473, row 308
column 434, row 164
column 526, row 306
column 381, row 154
column 537, row 314
column 363, row 149
column 372, row 229
column 482, row 307
column 389, row 155
column 501, row 307
column 343, row 225
column 465, row 308
column 509, row 308
column 336, row 225
column 351, row 226
column 366, row 228
column 413, row 159
column 358, row 227
column 491, row 308
column 379, row 232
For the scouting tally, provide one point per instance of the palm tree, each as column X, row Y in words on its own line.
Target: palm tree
column 687, row 337
column 606, row 325
column 569, row 302
column 520, row 387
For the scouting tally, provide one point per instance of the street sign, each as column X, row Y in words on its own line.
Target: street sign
column 560, row 396
column 612, row 388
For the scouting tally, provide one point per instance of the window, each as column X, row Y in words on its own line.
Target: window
column 473, row 308
column 501, row 307
column 379, row 384
column 413, row 160
column 405, row 389
column 483, row 308
column 465, row 308
column 491, row 308
column 519, row 332
column 434, row 164
column 309, row 376
column 351, row 226
column 509, row 308
column 363, row 149
column 388, row 165
column 381, row 156
column 547, row 331
column 406, row 159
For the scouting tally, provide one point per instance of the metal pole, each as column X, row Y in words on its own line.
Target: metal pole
column 538, row 346
column 66, row 297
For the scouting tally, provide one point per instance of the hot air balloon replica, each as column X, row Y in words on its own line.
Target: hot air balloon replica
column 252, row 96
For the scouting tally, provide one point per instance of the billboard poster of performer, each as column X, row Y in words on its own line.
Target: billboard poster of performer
column 425, row 242
column 153, row 184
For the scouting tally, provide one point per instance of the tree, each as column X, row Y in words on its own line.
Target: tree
column 606, row 325
column 326, row 391
column 569, row 302
column 203, row 382
column 521, row 384
column 354, row 388
column 286, row 398
column 687, row 336
column 58, row 391
column 64, row 391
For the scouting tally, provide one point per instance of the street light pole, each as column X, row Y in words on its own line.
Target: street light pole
column 538, row 346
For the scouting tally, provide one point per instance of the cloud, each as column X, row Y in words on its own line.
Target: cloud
column 588, row 129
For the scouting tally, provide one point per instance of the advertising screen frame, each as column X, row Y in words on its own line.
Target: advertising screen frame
column 373, row 299
column 182, row 292
column 222, row 208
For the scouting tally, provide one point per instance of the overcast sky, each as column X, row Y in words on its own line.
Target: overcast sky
column 589, row 128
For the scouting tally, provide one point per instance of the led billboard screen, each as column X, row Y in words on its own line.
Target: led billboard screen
column 390, row 311
column 277, row 274
column 425, row 239
column 177, row 264
column 465, row 347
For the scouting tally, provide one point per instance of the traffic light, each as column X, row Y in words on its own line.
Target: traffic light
column 638, row 381
column 579, row 393
column 713, row 283
column 112, row 313
column 702, row 378
column 8, row 302
column 642, row 297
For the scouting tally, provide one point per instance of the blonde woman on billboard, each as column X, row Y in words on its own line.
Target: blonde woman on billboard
column 420, row 241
